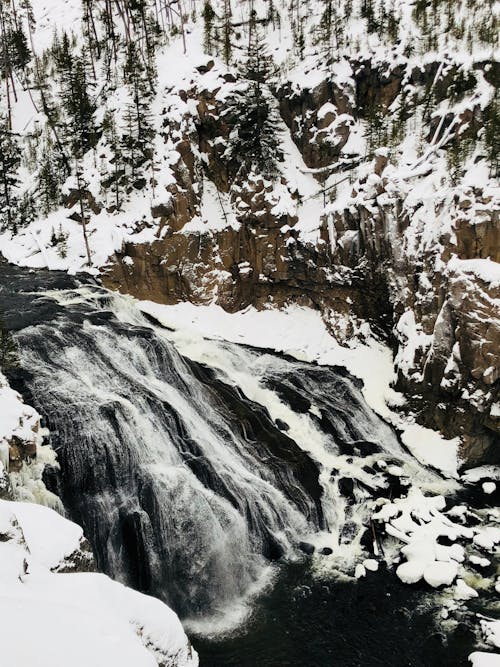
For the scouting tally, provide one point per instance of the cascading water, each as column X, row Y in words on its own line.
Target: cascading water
column 191, row 463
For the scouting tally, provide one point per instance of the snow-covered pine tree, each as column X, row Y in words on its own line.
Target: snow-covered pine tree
column 50, row 175
column 138, row 134
column 208, row 26
column 254, row 144
column 77, row 102
column 10, row 160
column 116, row 175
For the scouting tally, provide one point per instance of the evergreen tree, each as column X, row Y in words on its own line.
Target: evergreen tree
column 490, row 134
column 77, row 102
column 10, row 160
column 50, row 175
column 17, row 49
column 208, row 19
column 138, row 135
column 252, row 116
column 227, row 29
column 116, row 178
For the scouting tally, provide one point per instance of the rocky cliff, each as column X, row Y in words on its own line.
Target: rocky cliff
column 395, row 248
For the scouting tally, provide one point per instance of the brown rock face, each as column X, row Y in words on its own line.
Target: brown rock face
column 20, row 451
column 237, row 268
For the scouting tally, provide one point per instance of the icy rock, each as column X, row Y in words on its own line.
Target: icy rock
column 370, row 564
column 491, row 631
column 360, row 571
column 410, row 572
column 307, row 548
column 482, row 659
column 478, row 560
column 463, row 591
column 487, row 537
column 489, row 487
column 440, row 574
column 477, row 474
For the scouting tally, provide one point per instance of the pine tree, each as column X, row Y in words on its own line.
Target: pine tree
column 490, row 134
column 50, row 175
column 208, row 19
column 138, row 135
column 116, row 178
column 10, row 160
column 252, row 116
column 77, row 102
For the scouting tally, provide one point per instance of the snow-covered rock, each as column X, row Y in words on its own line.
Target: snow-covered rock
column 77, row 618
column 23, row 454
column 483, row 659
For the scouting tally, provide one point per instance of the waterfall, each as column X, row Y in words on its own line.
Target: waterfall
column 193, row 464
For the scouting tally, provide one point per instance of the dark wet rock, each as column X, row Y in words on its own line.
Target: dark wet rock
column 346, row 448
column 367, row 447
column 307, row 548
column 283, row 426
column 346, row 487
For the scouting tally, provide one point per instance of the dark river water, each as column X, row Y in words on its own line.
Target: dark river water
column 309, row 622
column 105, row 380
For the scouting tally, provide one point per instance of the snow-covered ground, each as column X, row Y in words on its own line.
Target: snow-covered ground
column 54, row 619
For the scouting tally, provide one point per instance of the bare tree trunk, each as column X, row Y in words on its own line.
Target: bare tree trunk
column 82, row 214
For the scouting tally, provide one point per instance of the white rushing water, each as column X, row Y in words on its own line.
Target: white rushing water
column 191, row 463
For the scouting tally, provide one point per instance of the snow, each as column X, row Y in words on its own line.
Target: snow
column 37, row 523
column 484, row 269
column 482, row 659
column 54, row 16
column 431, row 448
column 440, row 574
column 463, row 591
column 488, row 487
column 474, row 475
column 478, row 560
column 487, row 537
column 370, row 564
column 491, row 631
column 359, row 571
column 418, row 521
column 16, row 418
column 82, row 617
